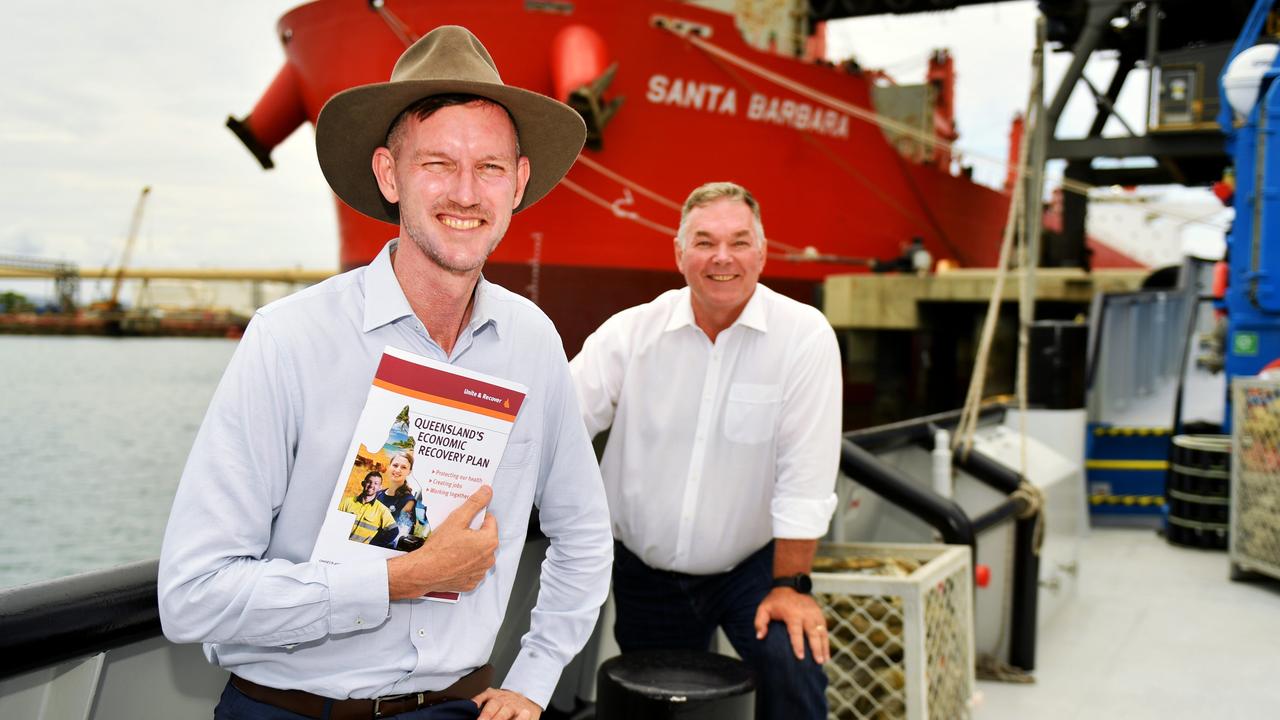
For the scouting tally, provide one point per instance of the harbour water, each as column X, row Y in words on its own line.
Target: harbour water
column 95, row 432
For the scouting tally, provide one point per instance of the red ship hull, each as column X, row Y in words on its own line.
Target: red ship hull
column 601, row 242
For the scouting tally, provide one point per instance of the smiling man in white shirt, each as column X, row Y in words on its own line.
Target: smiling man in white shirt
column 724, row 401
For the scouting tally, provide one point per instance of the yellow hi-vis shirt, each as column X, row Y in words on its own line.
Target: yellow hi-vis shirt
column 371, row 517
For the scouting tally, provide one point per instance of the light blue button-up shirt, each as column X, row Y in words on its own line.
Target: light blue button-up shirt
column 235, row 571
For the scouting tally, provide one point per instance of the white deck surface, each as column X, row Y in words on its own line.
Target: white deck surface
column 1157, row 631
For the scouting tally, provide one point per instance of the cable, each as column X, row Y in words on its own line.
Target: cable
column 398, row 27
column 584, row 160
column 874, row 117
column 617, row 211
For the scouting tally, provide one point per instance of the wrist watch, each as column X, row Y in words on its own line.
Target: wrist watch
column 800, row 582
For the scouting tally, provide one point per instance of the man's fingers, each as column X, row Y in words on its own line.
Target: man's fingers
column 819, row 643
column 796, row 632
column 490, row 524
column 489, row 706
column 761, row 622
column 495, row 710
column 467, row 511
column 505, row 705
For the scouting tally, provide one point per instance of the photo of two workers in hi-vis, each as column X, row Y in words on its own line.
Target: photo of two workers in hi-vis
column 383, row 495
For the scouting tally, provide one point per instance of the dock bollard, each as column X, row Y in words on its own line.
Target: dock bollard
column 685, row 684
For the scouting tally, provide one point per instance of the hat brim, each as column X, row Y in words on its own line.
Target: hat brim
column 355, row 122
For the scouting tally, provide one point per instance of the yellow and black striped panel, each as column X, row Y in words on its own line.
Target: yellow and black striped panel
column 1117, row 430
column 1128, row 500
column 1127, row 464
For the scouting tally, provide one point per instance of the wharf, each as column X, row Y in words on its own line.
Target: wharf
column 283, row 275
column 172, row 324
column 862, row 301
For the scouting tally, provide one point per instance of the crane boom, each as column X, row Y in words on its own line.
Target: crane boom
column 134, row 225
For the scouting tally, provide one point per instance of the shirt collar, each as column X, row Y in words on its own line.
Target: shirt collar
column 752, row 315
column 485, row 311
column 682, row 313
column 385, row 301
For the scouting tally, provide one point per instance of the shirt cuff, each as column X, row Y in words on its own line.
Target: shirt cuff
column 534, row 676
column 802, row 518
column 359, row 598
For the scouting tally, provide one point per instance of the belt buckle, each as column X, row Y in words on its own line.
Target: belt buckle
column 377, row 702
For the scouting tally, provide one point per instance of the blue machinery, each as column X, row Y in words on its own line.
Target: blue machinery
column 1253, row 244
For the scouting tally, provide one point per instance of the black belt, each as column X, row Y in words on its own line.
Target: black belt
column 313, row 706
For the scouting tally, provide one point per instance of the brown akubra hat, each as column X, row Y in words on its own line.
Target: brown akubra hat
column 448, row 59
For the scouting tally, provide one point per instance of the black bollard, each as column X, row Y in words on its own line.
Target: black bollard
column 685, row 684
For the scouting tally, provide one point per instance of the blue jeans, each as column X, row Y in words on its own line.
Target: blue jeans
column 235, row 705
column 659, row 609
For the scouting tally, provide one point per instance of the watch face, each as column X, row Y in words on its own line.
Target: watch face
column 804, row 584
column 799, row 582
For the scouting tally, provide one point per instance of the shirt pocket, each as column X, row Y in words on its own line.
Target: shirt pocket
column 513, row 487
column 751, row 412
column 516, row 455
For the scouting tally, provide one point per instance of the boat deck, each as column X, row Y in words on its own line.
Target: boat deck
column 1156, row 631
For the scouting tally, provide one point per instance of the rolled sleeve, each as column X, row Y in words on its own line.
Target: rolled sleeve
column 809, row 441
column 802, row 518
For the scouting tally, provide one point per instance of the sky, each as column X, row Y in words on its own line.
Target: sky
column 100, row 99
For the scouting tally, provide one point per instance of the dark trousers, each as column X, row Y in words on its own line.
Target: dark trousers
column 659, row 609
column 235, row 705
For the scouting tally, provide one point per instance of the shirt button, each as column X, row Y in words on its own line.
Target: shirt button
column 422, row 632
column 359, row 621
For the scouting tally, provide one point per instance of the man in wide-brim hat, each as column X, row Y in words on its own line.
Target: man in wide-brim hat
column 448, row 152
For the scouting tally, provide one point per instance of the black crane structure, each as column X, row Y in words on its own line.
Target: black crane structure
column 1184, row 43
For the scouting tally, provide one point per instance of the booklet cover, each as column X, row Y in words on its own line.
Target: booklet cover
column 429, row 436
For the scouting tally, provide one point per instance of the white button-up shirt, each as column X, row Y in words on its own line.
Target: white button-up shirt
column 715, row 448
column 235, row 568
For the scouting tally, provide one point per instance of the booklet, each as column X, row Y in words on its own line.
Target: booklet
column 429, row 436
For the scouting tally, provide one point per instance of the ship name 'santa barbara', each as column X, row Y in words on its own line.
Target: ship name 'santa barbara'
column 719, row 100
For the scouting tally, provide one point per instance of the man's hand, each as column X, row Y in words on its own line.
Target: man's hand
column 454, row 559
column 506, row 705
column 803, row 618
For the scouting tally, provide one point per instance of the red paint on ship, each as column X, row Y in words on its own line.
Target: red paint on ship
column 602, row 240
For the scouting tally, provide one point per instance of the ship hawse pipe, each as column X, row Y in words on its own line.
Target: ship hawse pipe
column 579, row 55
column 278, row 113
